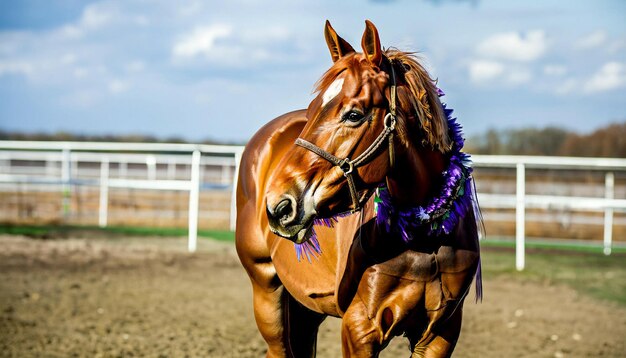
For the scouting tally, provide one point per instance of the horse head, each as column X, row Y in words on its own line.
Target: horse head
column 376, row 118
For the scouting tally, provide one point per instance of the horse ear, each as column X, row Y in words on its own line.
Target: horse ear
column 371, row 44
column 338, row 47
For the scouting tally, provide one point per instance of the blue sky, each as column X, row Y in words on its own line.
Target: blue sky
column 221, row 69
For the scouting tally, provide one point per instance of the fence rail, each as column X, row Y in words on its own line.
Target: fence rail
column 69, row 154
column 520, row 201
column 109, row 165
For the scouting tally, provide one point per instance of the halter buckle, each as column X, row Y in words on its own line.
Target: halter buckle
column 390, row 121
column 342, row 165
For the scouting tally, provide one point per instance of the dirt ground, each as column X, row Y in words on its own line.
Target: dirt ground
column 149, row 298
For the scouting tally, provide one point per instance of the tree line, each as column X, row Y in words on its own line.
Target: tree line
column 608, row 141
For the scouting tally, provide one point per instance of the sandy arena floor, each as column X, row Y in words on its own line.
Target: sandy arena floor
column 148, row 297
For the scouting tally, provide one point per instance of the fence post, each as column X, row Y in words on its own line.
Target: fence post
column 51, row 165
column 520, row 208
column 151, row 166
column 103, row 213
column 5, row 164
column 171, row 169
column 225, row 174
column 194, row 200
column 66, row 177
column 609, row 192
column 122, row 171
column 233, row 195
column 74, row 166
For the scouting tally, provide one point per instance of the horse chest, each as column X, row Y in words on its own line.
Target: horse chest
column 312, row 283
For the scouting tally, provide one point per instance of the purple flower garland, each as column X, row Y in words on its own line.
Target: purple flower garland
column 443, row 212
column 439, row 216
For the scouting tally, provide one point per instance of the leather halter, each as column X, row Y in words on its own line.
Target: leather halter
column 348, row 165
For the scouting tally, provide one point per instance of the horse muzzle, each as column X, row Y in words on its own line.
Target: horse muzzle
column 287, row 221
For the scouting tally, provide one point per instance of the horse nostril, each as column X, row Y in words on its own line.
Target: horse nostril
column 283, row 209
column 284, row 212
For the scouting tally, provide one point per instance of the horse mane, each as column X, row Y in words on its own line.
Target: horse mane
column 420, row 94
column 417, row 98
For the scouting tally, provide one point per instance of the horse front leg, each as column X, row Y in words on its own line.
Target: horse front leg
column 440, row 341
column 267, row 289
column 359, row 335
column 269, row 318
column 288, row 328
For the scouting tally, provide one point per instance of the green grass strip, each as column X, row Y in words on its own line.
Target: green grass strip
column 590, row 273
column 582, row 246
column 55, row 231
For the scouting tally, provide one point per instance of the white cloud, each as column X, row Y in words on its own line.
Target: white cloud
column 265, row 35
column 16, row 68
column 95, row 16
column 80, row 72
column 223, row 45
column 142, row 20
column 68, row 59
column 201, row 41
column 567, row 86
column 135, row 66
column 554, row 70
column 611, row 76
column 513, row 46
column 617, row 45
column 494, row 72
column 84, row 98
column 69, row 32
column 481, row 71
column 190, row 9
column 591, row 40
column 518, row 76
column 505, row 58
column 136, row 41
column 118, row 86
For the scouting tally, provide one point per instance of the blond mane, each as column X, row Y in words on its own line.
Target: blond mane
column 419, row 96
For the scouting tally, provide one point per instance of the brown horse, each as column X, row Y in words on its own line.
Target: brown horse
column 398, row 261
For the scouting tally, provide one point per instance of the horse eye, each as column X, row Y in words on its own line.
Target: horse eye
column 353, row 116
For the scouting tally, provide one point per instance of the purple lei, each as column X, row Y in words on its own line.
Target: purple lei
column 439, row 216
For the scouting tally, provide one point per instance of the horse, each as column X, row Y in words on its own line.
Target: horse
column 387, row 241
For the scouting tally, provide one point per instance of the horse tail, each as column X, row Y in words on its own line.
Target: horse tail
column 480, row 225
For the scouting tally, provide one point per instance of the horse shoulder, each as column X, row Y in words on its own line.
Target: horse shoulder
column 261, row 154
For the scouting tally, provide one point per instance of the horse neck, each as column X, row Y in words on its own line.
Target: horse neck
column 415, row 177
column 413, row 182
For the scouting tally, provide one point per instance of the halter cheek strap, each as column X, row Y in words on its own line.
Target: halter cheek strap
column 347, row 165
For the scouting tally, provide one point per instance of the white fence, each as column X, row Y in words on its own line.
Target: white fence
column 520, row 200
column 194, row 157
column 69, row 154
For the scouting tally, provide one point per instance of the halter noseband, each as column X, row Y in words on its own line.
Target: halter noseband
column 348, row 165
